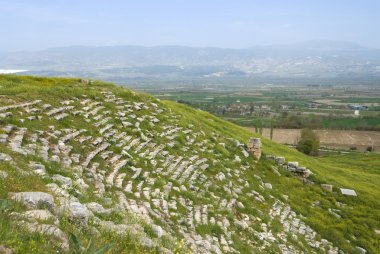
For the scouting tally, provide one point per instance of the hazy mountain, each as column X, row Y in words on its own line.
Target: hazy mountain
column 312, row 59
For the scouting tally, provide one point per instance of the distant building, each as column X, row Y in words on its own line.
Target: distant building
column 312, row 105
column 358, row 107
column 284, row 107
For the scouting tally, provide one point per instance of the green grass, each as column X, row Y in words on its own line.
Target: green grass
column 212, row 229
column 358, row 171
column 351, row 123
column 361, row 100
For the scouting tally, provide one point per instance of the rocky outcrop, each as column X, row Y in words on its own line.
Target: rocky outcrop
column 49, row 230
column 34, row 200
column 35, row 215
column 4, row 250
column 97, row 208
column 75, row 212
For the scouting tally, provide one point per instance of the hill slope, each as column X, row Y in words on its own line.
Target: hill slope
column 103, row 164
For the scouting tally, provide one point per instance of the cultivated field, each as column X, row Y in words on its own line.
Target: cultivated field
column 342, row 139
column 321, row 107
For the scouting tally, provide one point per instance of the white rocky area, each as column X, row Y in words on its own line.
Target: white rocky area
column 3, row 71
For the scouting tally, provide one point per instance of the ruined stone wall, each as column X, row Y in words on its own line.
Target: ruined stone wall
column 254, row 147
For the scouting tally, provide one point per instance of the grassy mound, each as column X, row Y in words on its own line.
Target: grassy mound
column 166, row 178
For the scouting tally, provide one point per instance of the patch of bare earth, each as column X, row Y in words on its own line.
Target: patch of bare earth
column 341, row 139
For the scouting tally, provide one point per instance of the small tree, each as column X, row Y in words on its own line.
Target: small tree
column 309, row 142
column 260, row 126
column 271, row 129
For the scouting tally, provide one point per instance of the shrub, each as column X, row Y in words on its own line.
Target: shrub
column 309, row 142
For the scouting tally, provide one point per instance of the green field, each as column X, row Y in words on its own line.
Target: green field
column 352, row 123
column 293, row 107
column 361, row 100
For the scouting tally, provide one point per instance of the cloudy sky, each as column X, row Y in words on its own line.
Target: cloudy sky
column 40, row 24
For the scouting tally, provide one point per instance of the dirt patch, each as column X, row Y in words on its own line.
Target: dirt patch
column 342, row 139
column 339, row 103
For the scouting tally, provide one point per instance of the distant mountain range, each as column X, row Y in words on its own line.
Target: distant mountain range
column 308, row 60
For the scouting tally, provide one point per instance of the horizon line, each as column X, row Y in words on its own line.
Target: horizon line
column 358, row 45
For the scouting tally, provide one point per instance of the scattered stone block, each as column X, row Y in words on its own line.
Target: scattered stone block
column 4, row 250
column 3, row 174
column 146, row 242
column 241, row 224
column 280, row 160
column 327, row 187
column 39, row 215
column 220, row 176
column 48, row 230
column 97, row 208
column 293, row 164
column 119, row 229
column 38, row 168
column 348, row 192
column 5, row 157
column 361, row 250
column 3, row 138
column 33, row 200
column 158, row 231
column 64, row 181
column 268, row 185
column 274, row 169
column 76, row 212
column 8, row 129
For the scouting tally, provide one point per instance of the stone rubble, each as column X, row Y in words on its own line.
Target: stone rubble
column 34, row 200
column 139, row 162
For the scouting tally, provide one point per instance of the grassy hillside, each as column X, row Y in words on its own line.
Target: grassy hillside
column 129, row 173
column 358, row 171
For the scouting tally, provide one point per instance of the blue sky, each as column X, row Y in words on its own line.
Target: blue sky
column 40, row 24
